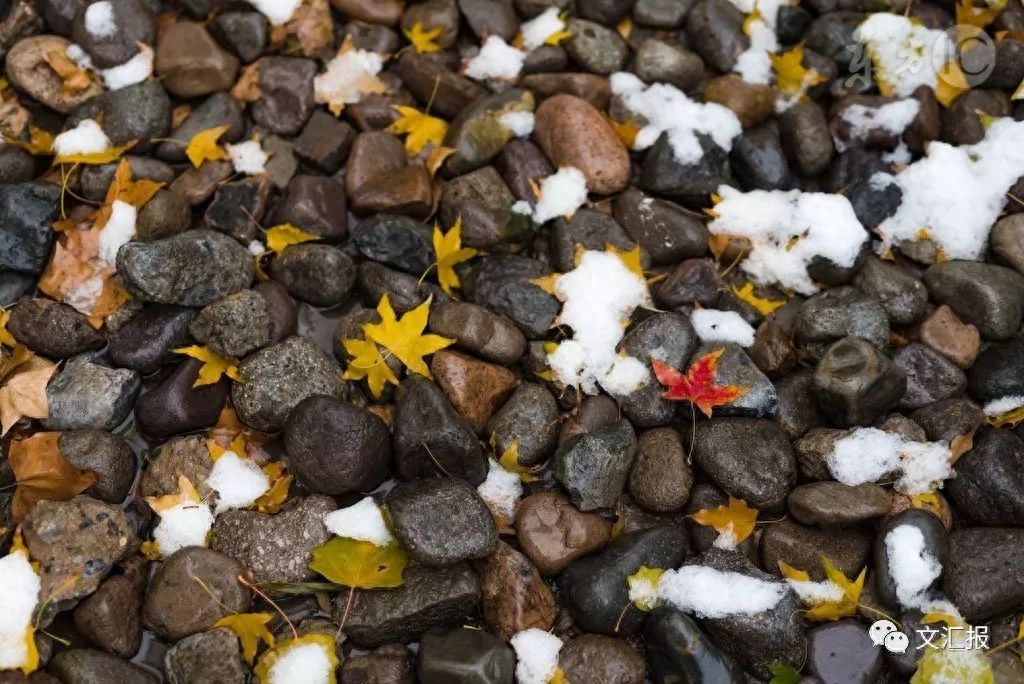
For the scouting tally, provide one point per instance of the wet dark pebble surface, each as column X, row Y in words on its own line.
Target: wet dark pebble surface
column 356, row 319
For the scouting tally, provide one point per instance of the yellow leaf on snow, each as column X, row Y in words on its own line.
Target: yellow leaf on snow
column 251, row 629
column 23, row 393
column 267, row 661
column 791, row 77
column 404, row 337
column 736, row 518
column 43, row 474
column 423, row 40
column 449, row 252
column 360, row 564
column 367, row 362
column 645, row 580
column 845, row 606
column 213, row 367
column 422, row 129
column 280, row 238
column 764, row 306
column 203, row 146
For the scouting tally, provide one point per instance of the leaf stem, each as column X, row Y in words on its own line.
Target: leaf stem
column 259, row 592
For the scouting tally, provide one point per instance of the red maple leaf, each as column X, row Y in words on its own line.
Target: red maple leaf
column 698, row 385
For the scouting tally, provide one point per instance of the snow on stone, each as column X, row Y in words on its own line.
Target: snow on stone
column 536, row 31
column 713, row 325
column 340, row 83
column 1003, row 404
column 537, row 653
column 496, row 59
column 523, row 208
column 362, row 521
column 135, row 70
column 900, row 155
column 711, row 593
column 912, row 567
column 754, row 65
column 500, row 491
column 85, row 138
column 956, row 194
column 905, row 53
column 120, row 229
column 187, row 524
column 726, row 539
column 277, row 12
column 892, row 117
column 248, row 157
column 561, row 194
column 788, row 229
column 870, row 454
column 666, row 109
column 19, row 594
column 80, row 57
column 814, row 593
column 643, row 592
column 302, row 664
column 597, row 296
column 100, row 21
column 520, row 123
column 256, row 247
column 238, row 481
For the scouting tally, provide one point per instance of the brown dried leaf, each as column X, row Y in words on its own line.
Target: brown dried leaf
column 43, row 474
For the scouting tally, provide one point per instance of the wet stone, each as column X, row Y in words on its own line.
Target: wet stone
column 666, row 232
column 238, row 207
column 389, row 663
column 947, row 419
column 107, row 455
column 594, row 467
column 478, row 330
column 670, row 338
column 676, row 647
column 190, row 63
column 830, row 504
column 84, row 394
column 483, row 202
column 109, row 619
column 514, row 597
column 597, row 658
column 234, row 326
column 985, row 574
column 988, row 296
column 930, row 377
column 188, row 456
column 324, row 142
column 748, row 458
column 935, row 543
column 26, row 212
column 88, row 666
column 204, row 657
column 52, row 329
column 989, row 485
column 841, row 312
column 855, row 384
column 175, row 406
column 553, row 532
column 843, row 652
column 903, row 297
column 501, row 284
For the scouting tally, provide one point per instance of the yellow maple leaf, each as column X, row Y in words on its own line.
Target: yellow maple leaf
column 107, row 156
column 1011, row 417
column 951, row 83
column 547, row 283
column 736, row 518
column 449, row 252
column 40, row 142
column 203, row 146
column 213, row 367
column 847, row 604
column 422, row 129
column 251, row 629
column 272, row 500
column 360, row 564
column 404, row 337
column 764, row 306
column 5, row 336
column 280, row 238
column 967, row 14
column 789, row 572
column 237, row 446
column 367, row 362
column 424, row 40
column 927, row 501
column 510, row 461
column 791, row 77
column 751, row 19
column 564, row 34
column 186, row 494
column 643, row 585
column 630, row 258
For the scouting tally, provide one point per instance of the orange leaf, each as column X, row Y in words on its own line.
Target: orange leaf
column 960, row 445
column 698, row 385
column 43, row 474
column 74, row 77
column 735, row 518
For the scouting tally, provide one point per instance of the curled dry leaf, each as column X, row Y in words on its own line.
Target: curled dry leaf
column 75, row 78
column 203, row 146
column 43, row 474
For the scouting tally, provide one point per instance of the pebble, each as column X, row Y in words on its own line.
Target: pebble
column 829, row 504
column 27, row 68
column 796, row 415
column 594, row 589
column 856, row 384
column 137, row 112
column 714, row 29
column 477, row 135
column 573, row 133
column 188, row 456
column 190, row 63
column 275, row 548
column 110, row 618
column 281, row 309
column 676, row 648
column 750, row 102
column 736, row 368
column 514, row 597
column 165, row 215
column 389, row 663
column 994, row 374
column 659, row 61
column 848, row 548
column 319, row 274
column 598, row 658
column 589, row 229
column 26, row 212
column 554, row 533
column 237, row 207
column 500, row 283
column 429, row 436
column 379, row 178
column 661, row 477
column 315, row 204
column 519, row 162
column 175, row 406
column 663, row 14
column 476, row 389
column 1006, row 238
column 748, row 458
column 441, row 521
column 593, row 467
column 935, row 542
column 989, row 485
column 464, row 656
column 195, row 268
column 595, row 48
column 671, row 339
column 930, row 377
column 947, row 419
column 109, row 456
column 842, row 651
column 484, row 200
column 948, row 335
column 244, row 33
column 274, row 384
column 65, row 536
column 434, row 14
column 478, row 331
column 84, row 394
column 841, row 312
column 989, row 297
column 430, row 597
column 662, row 229
column 424, row 76
column 324, row 142
column 191, row 590
column 903, row 297
column 219, row 109
column 590, row 87
column 88, row 666
column 405, row 291
column 52, row 329
column 212, row 656
column 985, row 573
column 395, row 240
column 663, row 174
column 335, row 448
column 234, row 326
column 813, row 448
column 286, row 94
column 692, row 280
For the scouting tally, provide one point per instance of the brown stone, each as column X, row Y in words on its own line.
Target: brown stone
column 514, row 597
column 573, row 133
column 379, row 178
column 598, row 658
column 750, row 102
column 190, row 63
column 196, row 186
column 371, row 11
column 27, row 68
column 593, row 88
column 476, row 389
column 944, row 332
column 553, row 533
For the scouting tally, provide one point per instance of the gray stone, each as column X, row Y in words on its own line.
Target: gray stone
column 211, row 657
column 841, row 312
column 748, row 458
column 930, row 377
column 27, row 211
column 233, row 326
column 530, row 420
column 903, row 297
column 855, row 384
column 593, row 467
column 84, row 394
column 985, row 575
column 990, row 297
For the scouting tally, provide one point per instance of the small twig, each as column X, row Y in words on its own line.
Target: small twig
column 434, row 459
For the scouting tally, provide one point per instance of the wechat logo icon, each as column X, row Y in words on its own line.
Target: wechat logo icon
column 884, row 633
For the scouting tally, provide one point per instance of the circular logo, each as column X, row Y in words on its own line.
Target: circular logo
column 970, row 49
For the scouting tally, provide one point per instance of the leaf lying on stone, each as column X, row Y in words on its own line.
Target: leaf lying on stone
column 5, row 336
column 74, row 78
column 735, row 518
column 280, row 238
column 845, row 606
column 251, row 629
column 203, row 146
column 214, row 366
column 24, row 377
column 764, row 306
column 43, row 474
column 510, row 461
column 404, row 337
column 449, row 252
column 792, row 78
column 423, row 40
column 421, row 129
column 360, row 564
column 367, row 362
column 643, row 587
column 698, row 384
column 270, row 502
